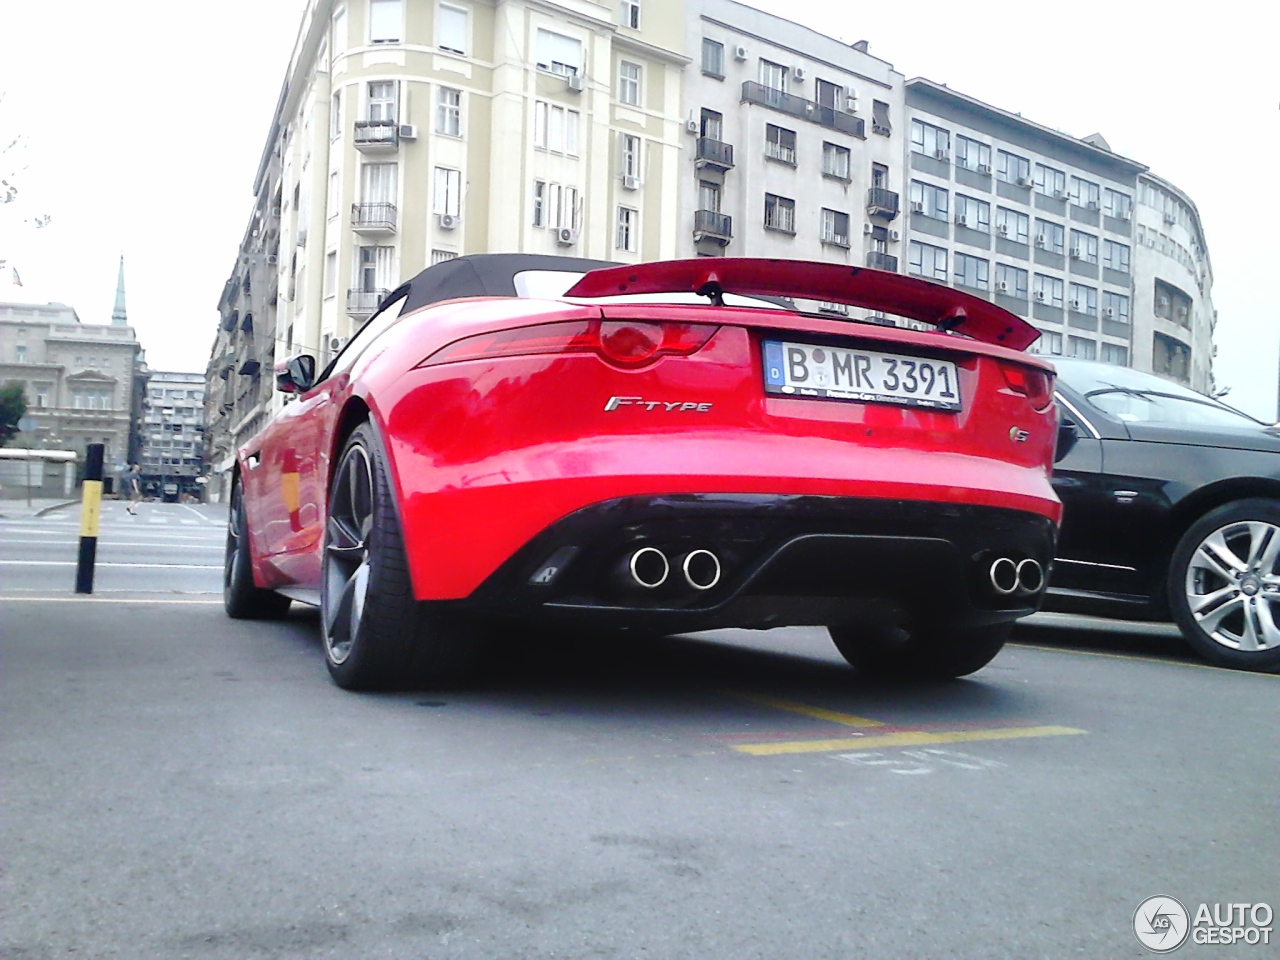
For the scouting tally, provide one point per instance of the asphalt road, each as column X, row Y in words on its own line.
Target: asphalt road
column 176, row 784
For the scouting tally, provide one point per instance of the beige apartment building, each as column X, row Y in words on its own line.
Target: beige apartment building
column 412, row 131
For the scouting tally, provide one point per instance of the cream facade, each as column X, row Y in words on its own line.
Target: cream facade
column 413, row 131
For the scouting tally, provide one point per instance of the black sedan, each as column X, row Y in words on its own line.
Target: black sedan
column 1171, row 511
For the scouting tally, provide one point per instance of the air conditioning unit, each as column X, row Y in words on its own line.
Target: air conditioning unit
column 1040, row 295
column 797, row 73
column 1023, row 181
column 941, row 155
column 1169, row 218
column 1075, row 305
column 1092, row 205
column 962, row 221
column 1075, row 253
column 1059, row 195
column 272, row 259
column 1108, row 314
column 1002, row 286
column 1002, row 229
column 566, row 236
column 408, row 131
column 850, row 104
column 630, row 183
column 984, row 168
column 893, row 236
column 447, row 221
column 739, row 52
column 576, row 83
column 867, row 228
column 692, row 126
column 335, row 344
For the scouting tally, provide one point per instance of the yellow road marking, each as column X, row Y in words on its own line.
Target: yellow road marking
column 906, row 738
column 832, row 716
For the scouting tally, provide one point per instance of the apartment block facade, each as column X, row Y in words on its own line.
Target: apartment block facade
column 172, row 433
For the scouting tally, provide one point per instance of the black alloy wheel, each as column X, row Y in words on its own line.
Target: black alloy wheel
column 241, row 598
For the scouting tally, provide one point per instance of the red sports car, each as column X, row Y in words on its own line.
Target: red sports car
column 661, row 447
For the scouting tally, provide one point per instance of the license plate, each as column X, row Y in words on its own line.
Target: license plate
column 866, row 376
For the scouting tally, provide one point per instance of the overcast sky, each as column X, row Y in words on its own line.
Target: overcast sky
column 144, row 131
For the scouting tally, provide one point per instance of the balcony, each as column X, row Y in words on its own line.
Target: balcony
column 709, row 225
column 373, row 218
column 714, row 154
column 377, row 136
column 810, row 110
column 882, row 261
column 362, row 303
column 882, row 203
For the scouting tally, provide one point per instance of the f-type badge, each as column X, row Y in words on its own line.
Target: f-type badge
column 662, row 406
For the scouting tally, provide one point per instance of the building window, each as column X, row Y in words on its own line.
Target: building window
column 40, row 393
column 972, row 155
column 1085, row 193
column 629, row 83
column 1117, row 204
column 386, row 21
column 1170, row 357
column 1048, row 290
column 1115, row 353
column 335, row 115
column 1081, row 348
column 835, row 228
column 711, row 125
column 780, row 143
column 773, row 76
column 1011, row 281
column 629, row 153
column 1115, row 307
column 880, row 176
column 779, row 213
column 449, row 111
column 1050, row 182
column 539, row 203
column 971, row 271
column 928, row 200
column 708, row 196
column 1049, row 344
column 558, row 54
column 440, row 256
column 835, row 161
column 375, row 269
column 1115, row 256
column 973, row 213
column 20, row 354
column 880, row 118
column 335, row 193
column 447, row 196
column 1083, row 299
column 829, row 95
column 1012, row 168
column 630, row 15
column 1084, row 246
column 925, row 260
column 555, row 128
column 382, row 98
column 712, row 58
column 1050, row 236
column 378, row 182
column 451, row 29
column 930, row 141
column 625, row 237
column 1012, row 225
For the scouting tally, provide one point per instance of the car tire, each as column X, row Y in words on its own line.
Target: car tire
column 925, row 652
column 241, row 598
column 376, row 635
column 1224, row 585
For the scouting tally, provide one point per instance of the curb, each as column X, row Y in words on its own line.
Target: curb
column 57, row 506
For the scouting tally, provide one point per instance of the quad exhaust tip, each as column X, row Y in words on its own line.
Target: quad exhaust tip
column 1009, row 576
column 701, row 569
column 649, row 567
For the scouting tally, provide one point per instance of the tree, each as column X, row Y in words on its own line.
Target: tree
column 13, row 407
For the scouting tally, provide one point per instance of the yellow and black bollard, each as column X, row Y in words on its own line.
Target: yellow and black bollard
column 90, row 511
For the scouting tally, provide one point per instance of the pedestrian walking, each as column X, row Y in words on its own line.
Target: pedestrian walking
column 133, row 486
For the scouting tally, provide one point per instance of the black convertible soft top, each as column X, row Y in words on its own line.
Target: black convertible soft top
column 483, row 275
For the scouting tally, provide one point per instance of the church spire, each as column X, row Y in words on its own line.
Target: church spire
column 118, row 316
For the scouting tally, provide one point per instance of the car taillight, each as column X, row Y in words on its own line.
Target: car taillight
column 623, row 343
column 1031, row 382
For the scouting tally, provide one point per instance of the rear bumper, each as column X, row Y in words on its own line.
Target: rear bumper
column 783, row 560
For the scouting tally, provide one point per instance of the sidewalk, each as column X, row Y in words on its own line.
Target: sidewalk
column 18, row 509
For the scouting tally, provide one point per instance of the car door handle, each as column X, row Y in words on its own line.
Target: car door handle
column 253, row 459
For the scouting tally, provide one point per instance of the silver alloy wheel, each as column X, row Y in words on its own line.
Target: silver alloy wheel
column 1233, row 587
column 346, row 553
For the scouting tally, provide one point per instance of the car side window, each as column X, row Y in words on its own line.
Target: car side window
column 361, row 339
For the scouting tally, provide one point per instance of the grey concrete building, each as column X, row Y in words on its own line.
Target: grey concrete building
column 173, row 430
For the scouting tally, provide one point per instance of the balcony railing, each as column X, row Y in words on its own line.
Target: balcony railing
column 810, row 110
column 373, row 217
column 376, row 135
column 713, row 153
column 882, row 203
column 361, row 303
column 707, row 224
column 882, row 261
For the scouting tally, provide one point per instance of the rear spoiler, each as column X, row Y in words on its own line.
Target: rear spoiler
column 944, row 307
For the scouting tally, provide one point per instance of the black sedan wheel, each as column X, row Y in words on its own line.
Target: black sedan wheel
column 240, row 597
column 1224, row 585
column 376, row 635
column 925, row 652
